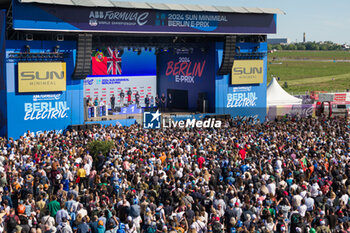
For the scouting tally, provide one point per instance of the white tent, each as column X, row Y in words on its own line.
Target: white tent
column 277, row 96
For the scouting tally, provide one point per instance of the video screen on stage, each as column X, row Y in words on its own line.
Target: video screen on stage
column 120, row 94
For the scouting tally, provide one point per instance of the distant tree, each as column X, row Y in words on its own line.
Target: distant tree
column 301, row 46
column 291, row 47
column 308, row 45
column 269, row 47
column 335, row 47
column 278, row 47
column 314, row 46
column 324, row 47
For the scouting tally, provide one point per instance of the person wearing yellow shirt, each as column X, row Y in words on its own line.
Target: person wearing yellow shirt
column 81, row 173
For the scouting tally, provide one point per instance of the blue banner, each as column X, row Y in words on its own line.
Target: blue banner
column 245, row 100
column 38, row 112
column 191, row 71
column 3, row 96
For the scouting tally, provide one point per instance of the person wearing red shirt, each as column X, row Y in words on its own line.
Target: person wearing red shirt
column 200, row 161
column 242, row 153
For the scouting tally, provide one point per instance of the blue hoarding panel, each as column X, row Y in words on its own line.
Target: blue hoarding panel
column 3, row 97
column 191, row 72
column 245, row 99
column 43, row 111
column 38, row 18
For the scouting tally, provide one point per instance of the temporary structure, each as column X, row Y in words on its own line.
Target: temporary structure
column 277, row 96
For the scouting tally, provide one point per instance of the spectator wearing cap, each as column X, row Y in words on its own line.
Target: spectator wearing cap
column 130, row 226
column 101, row 228
column 323, row 227
column 237, row 210
column 135, row 209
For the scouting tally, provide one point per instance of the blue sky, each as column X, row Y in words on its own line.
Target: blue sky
column 321, row 19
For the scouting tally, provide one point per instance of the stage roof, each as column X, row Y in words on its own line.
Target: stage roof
column 158, row 6
column 140, row 18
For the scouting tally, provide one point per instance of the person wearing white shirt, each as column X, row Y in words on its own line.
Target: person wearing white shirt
column 302, row 208
column 265, row 176
column 309, row 202
column 297, row 200
column 314, row 189
column 87, row 169
column 278, row 165
column 102, row 103
column 272, row 188
column 345, row 198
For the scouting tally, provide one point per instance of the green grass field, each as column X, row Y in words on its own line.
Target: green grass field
column 310, row 75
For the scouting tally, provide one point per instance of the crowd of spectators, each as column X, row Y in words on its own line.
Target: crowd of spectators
column 287, row 175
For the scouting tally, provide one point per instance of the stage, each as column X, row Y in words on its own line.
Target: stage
column 59, row 64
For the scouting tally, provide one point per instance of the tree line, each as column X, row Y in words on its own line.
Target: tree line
column 327, row 45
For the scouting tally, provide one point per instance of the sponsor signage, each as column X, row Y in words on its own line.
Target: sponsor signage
column 339, row 97
column 334, row 97
column 304, row 110
column 184, row 70
column 247, row 72
column 41, row 76
column 324, row 97
column 46, row 110
column 241, row 99
column 139, row 20
column 152, row 120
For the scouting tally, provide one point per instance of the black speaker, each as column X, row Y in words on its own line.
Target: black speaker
column 83, row 56
column 228, row 56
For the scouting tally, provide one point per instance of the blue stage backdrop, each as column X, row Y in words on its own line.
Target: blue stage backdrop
column 131, row 63
column 31, row 111
column 143, row 64
column 244, row 99
column 3, row 97
column 188, row 71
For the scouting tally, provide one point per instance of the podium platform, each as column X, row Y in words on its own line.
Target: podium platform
column 131, row 109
